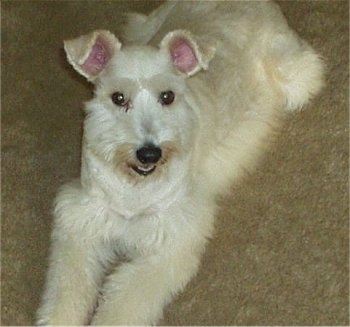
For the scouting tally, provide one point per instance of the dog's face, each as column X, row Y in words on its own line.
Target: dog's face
column 139, row 121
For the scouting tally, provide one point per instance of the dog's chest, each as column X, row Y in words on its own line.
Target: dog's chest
column 151, row 229
column 137, row 217
column 127, row 199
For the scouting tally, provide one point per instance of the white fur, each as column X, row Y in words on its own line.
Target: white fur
column 157, row 226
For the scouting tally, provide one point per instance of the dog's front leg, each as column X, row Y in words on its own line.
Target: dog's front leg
column 75, row 270
column 72, row 285
column 136, row 293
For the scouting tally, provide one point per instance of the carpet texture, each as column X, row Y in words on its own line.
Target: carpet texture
column 280, row 254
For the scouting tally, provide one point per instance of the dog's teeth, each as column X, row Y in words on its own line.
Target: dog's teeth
column 145, row 168
column 141, row 170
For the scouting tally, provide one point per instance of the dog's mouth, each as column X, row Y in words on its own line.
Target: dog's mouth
column 144, row 170
column 148, row 159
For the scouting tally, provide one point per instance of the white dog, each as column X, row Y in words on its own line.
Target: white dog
column 179, row 112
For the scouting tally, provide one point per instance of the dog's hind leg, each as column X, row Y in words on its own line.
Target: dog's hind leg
column 136, row 293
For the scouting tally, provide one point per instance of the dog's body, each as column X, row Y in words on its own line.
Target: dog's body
column 169, row 128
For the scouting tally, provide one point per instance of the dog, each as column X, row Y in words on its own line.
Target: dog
column 182, row 108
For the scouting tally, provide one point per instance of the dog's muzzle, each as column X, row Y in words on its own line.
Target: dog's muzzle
column 148, row 156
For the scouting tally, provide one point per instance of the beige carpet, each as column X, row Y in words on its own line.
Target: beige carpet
column 281, row 252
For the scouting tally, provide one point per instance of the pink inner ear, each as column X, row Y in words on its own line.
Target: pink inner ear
column 98, row 57
column 183, row 55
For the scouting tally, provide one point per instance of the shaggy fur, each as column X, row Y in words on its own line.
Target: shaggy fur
column 233, row 67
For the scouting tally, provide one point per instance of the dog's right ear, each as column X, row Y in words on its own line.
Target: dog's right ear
column 89, row 54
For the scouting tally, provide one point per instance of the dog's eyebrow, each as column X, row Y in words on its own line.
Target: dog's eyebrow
column 161, row 82
column 118, row 84
column 154, row 84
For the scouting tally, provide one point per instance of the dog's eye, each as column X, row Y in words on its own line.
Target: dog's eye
column 119, row 99
column 166, row 98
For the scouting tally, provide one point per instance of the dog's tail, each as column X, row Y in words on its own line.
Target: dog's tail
column 296, row 69
column 140, row 28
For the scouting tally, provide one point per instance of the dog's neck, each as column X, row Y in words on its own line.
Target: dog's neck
column 129, row 199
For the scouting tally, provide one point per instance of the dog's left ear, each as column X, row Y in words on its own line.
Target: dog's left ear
column 187, row 54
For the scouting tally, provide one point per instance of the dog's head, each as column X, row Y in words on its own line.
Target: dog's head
column 140, row 120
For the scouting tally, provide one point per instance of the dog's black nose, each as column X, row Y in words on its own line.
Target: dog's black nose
column 149, row 153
